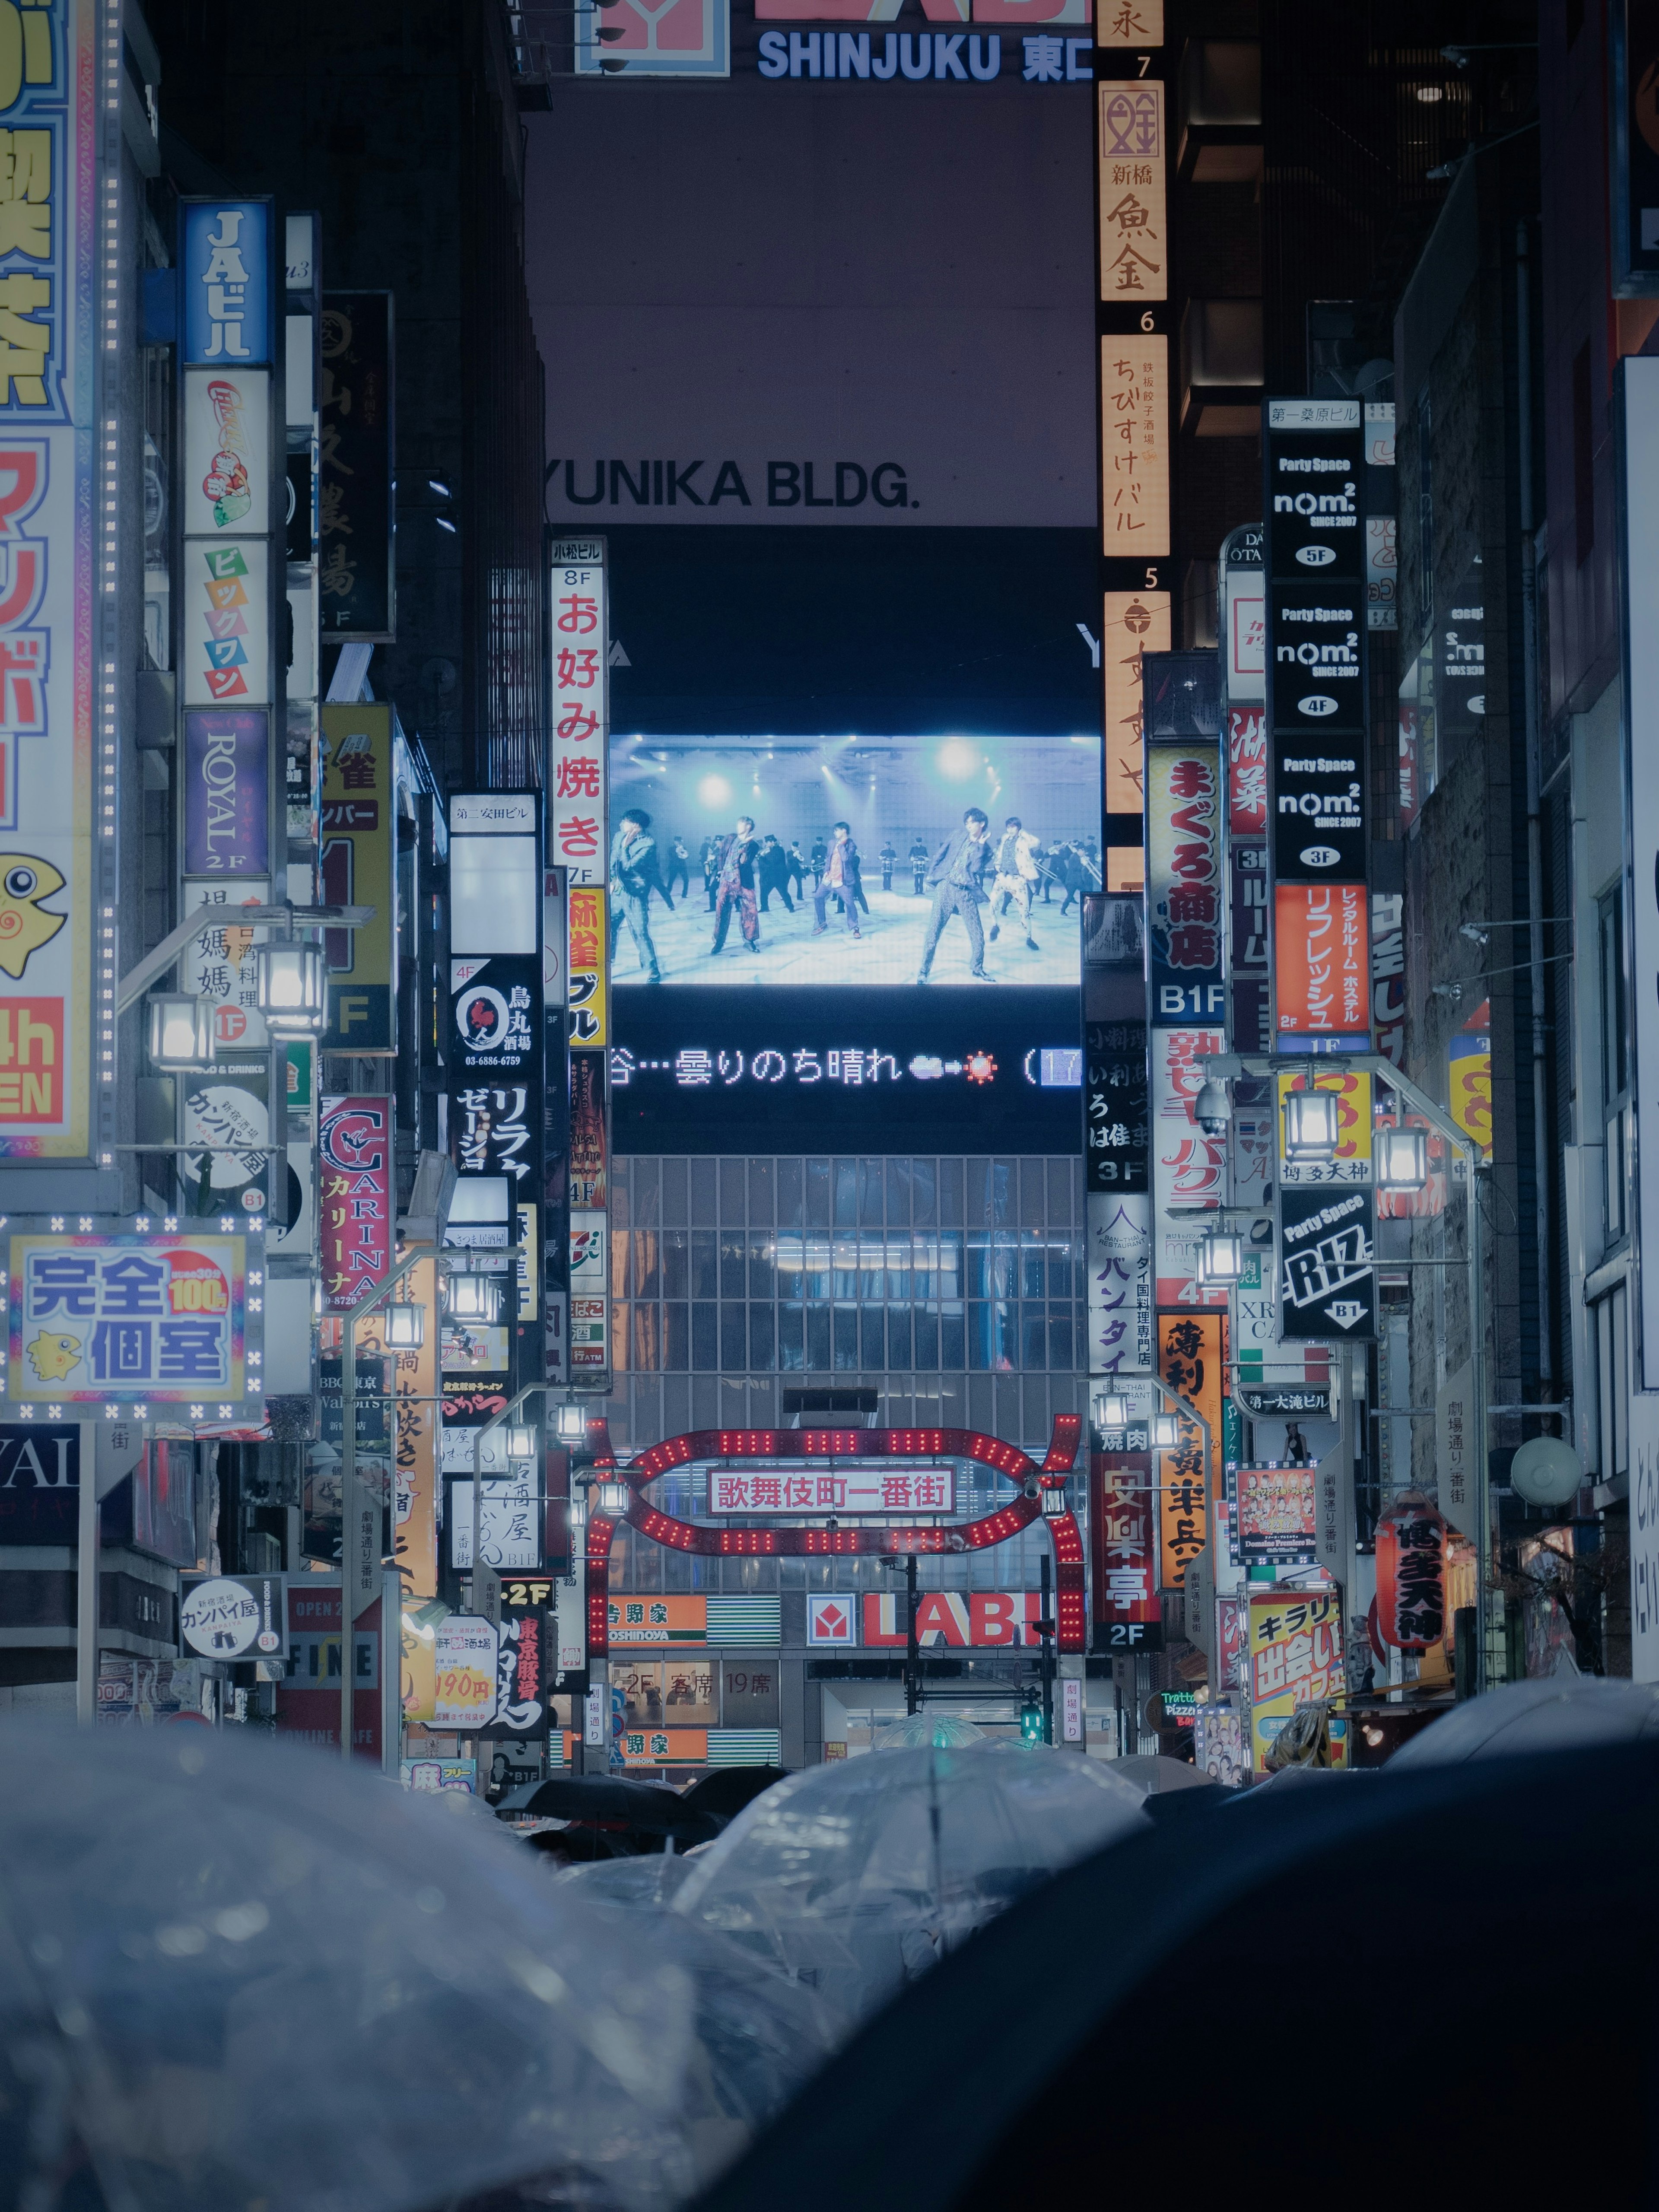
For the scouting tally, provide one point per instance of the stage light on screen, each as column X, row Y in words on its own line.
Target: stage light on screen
column 714, row 791
column 958, row 760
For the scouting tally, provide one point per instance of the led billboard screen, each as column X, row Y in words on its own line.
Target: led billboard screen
column 850, row 861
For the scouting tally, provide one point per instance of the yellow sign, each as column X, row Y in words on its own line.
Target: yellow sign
column 1138, row 23
column 358, row 826
column 588, row 968
column 1470, row 1055
column 415, row 1382
column 1132, row 622
column 1134, row 242
column 1135, row 446
column 1192, row 1359
column 1352, row 1164
column 1296, row 1656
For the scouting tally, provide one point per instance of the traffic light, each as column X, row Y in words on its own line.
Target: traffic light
column 1030, row 1717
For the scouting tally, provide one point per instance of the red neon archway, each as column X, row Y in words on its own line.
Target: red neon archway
column 714, row 1445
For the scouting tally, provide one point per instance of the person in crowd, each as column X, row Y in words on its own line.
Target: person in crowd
column 817, row 857
column 635, row 874
column 772, row 873
column 840, row 879
column 957, row 878
column 711, row 870
column 679, row 868
column 888, row 855
column 795, row 867
column 919, row 857
column 736, row 857
column 1016, row 878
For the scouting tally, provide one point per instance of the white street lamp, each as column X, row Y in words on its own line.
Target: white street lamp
column 1112, row 1411
column 1310, row 1126
column 615, row 1499
column 471, row 1297
column 1221, row 1258
column 570, row 1422
column 1402, row 1158
column 1054, row 1500
column 1166, row 1432
column 520, row 1441
column 406, row 1327
column 180, row 1029
column 291, row 986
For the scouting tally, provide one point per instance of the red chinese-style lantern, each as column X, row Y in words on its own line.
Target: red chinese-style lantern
column 1411, row 1573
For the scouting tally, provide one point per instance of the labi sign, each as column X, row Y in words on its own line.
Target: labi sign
column 733, row 484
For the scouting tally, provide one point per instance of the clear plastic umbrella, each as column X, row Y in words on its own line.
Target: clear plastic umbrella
column 233, row 1975
column 859, row 1875
column 940, row 1729
column 1567, row 1712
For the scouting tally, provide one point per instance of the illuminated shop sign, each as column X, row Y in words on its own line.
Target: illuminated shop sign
column 924, row 57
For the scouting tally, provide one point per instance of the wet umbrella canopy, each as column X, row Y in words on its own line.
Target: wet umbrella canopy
column 234, row 1976
column 860, row 1875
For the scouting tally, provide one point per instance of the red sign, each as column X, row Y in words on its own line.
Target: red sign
column 956, row 1618
column 1120, row 1532
column 309, row 1701
column 1410, row 1574
column 1322, row 962
column 32, row 1060
column 1246, row 771
column 354, row 1199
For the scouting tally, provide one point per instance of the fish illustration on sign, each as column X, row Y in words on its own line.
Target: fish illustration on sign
column 25, row 924
column 53, row 1357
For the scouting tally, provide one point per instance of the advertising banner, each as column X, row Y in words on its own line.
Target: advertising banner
column 862, row 1490
column 108, row 1320
column 1134, row 405
column 226, row 644
column 1294, row 1657
column 579, row 793
column 356, row 862
column 355, row 1198
column 226, row 483
column 1189, row 1166
column 521, row 1671
column 1327, row 1281
column 233, row 1617
column 1115, row 1138
column 959, row 1620
column 224, row 269
column 226, row 776
column 1119, row 1276
column 46, row 416
column 1134, row 251
column 1353, row 1162
column 590, row 940
column 509, row 1520
column 1275, row 1514
column 1133, row 622
column 415, row 1432
column 219, row 964
column 659, row 1620
column 1184, row 881
column 1124, row 1561
column 1247, row 862
column 357, row 574
column 465, row 1668
column 1321, row 960
column 1469, row 1055
column 1192, row 1361
column 495, row 1056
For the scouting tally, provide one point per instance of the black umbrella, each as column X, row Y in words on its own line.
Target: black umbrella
column 650, row 1806
column 726, row 1791
column 1379, row 1990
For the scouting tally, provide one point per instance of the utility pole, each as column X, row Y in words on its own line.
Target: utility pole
column 911, row 1648
column 1046, row 1632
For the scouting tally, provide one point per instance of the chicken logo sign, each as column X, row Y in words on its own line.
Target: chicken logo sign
column 831, row 1620
column 133, row 1316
